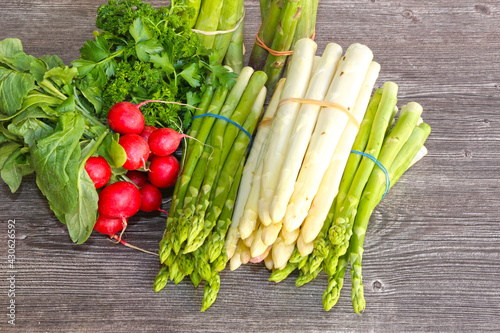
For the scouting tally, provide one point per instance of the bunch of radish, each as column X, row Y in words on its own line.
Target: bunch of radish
column 151, row 168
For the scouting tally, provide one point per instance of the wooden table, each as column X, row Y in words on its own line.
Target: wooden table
column 431, row 259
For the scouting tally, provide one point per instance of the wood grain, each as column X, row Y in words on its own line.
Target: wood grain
column 432, row 253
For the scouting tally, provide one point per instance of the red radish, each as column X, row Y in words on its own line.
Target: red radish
column 119, row 200
column 150, row 198
column 99, row 170
column 146, row 132
column 126, row 118
column 164, row 141
column 137, row 150
column 137, row 177
column 163, row 171
column 109, row 226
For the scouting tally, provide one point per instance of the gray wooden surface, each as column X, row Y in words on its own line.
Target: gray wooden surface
column 432, row 251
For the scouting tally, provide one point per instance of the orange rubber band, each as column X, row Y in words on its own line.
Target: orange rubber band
column 259, row 42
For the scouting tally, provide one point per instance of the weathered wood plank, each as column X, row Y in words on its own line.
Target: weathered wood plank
column 431, row 255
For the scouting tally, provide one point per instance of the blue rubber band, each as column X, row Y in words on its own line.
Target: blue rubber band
column 228, row 120
column 381, row 166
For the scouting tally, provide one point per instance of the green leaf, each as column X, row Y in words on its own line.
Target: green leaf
column 11, row 173
column 35, row 97
column 111, row 150
column 6, row 151
column 95, row 50
column 191, row 75
column 38, row 68
column 81, row 220
column 146, row 48
column 14, row 87
column 9, row 47
column 31, row 129
column 139, row 31
column 61, row 75
column 162, row 61
column 67, row 106
column 52, row 61
column 55, row 160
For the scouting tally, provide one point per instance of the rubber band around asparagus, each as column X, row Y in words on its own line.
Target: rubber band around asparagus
column 220, row 32
column 260, row 43
column 327, row 104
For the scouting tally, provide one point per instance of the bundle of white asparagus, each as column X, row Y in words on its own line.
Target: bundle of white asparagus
column 299, row 154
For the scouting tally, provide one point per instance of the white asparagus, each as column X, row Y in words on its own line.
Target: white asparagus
column 233, row 235
column 235, row 261
column 344, row 91
column 421, row 153
column 316, row 61
column 289, row 237
column 281, row 252
column 329, row 185
column 258, row 247
column 245, row 254
column 295, row 87
column 268, row 261
column 303, row 247
column 270, row 233
column 303, row 129
column 248, row 220
column 260, row 258
column 249, row 240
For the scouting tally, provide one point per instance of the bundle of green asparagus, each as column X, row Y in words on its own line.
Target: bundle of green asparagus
column 284, row 22
column 203, row 200
column 220, row 24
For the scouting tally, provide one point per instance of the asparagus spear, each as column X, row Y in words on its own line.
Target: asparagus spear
column 216, row 240
column 335, row 283
column 208, row 20
column 195, row 278
column 228, row 171
column 264, row 8
column 210, row 292
column 252, row 170
column 236, row 49
column 191, row 162
column 305, row 26
column 229, row 16
column 371, row 197
column 282, row 41
column 341, row 230
column 195, row 4
column 204, row 175
column 280, row 274
column 328, row 187
column 161, row 279
column 266, row 34
column 358, row 145
column 344, row 91
column 189, row 203
column 295, row 87
column 302, row 130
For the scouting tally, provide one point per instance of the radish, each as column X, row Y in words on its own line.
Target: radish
column 137, row 177
column 119, row 200
column 109, row 226
column 163, row 171
column 151, row 198
column 126, row 118
column 137, row 150
column 164, row 141
column 99, row 170
column 146, row 132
